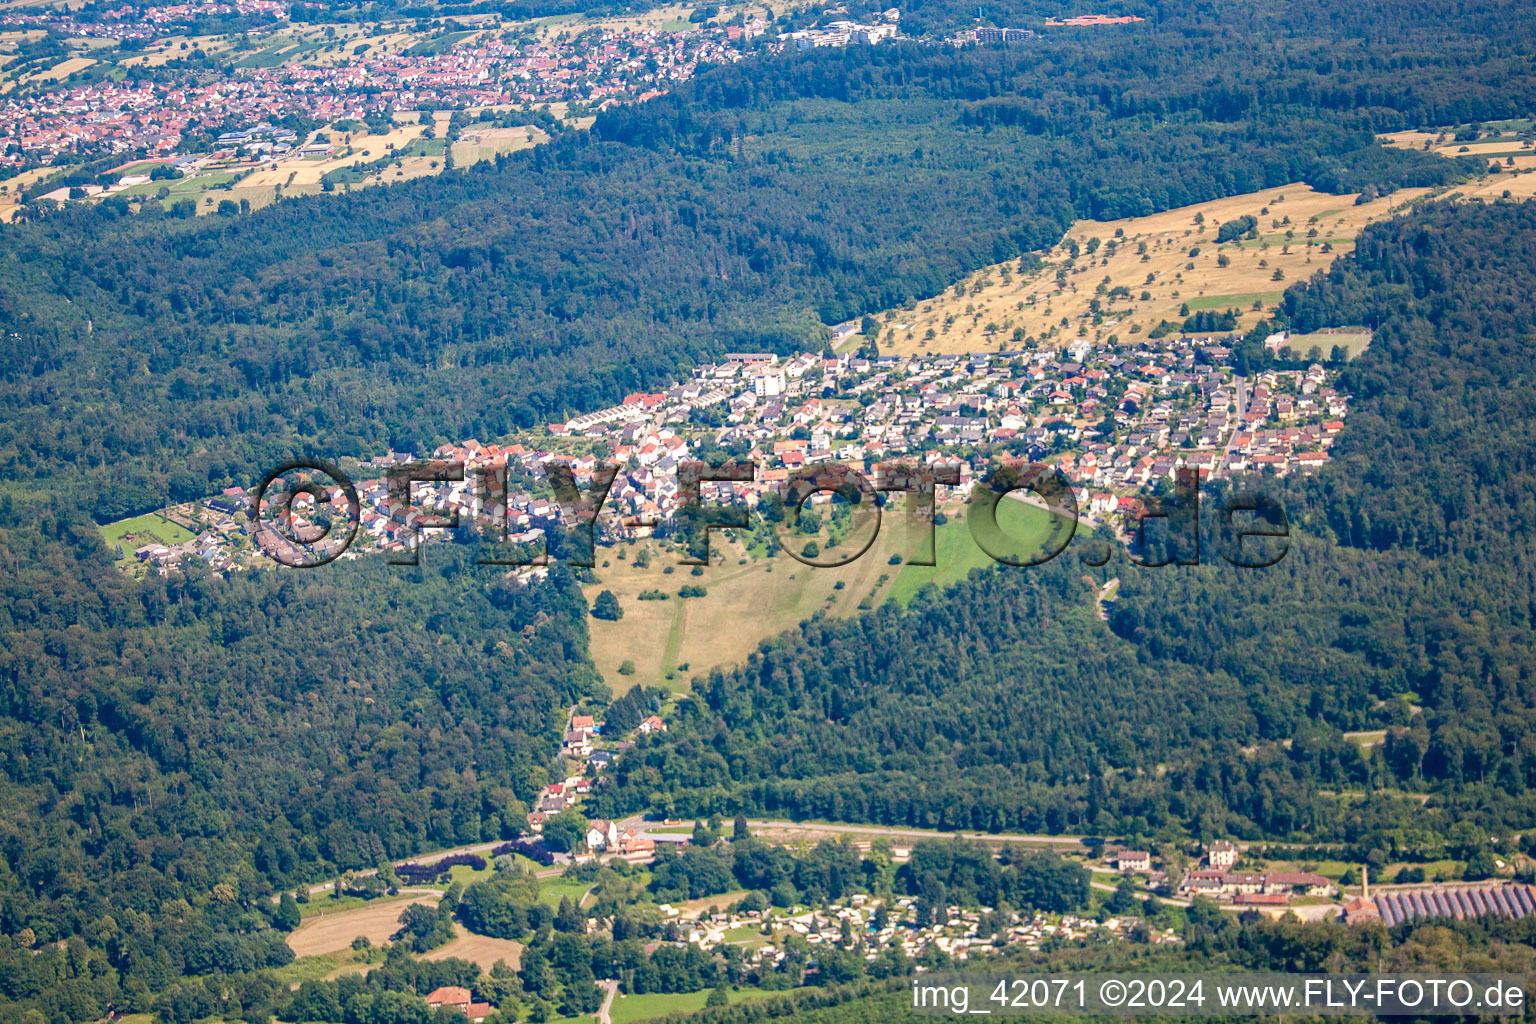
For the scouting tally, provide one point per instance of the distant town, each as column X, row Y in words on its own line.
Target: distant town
column 193, row 113
column 266, row 93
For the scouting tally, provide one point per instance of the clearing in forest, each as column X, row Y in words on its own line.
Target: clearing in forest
column 750, row 598
column 327, row 933
column 1128, row 276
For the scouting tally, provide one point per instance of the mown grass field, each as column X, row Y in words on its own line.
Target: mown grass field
column 327, row 965
column 627, row 1009
column 481, row 950
column 280, row 52
column 1354, row 342
column 956, row 552
column 145, row 529
column 553, row 890
column 751, row 598
column 323, row 904
column 188, row 187
column 330, row 933
column 477, row 143
column 10, row 191
column 464, row 875
column 440, row 44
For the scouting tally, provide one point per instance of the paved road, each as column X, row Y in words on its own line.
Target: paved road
column 1237, row 424
column 1141, row 895
column 610, row 989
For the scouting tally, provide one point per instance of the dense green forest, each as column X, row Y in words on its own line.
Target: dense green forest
column 176, row 750
column 154, row 355
column 1405, row 602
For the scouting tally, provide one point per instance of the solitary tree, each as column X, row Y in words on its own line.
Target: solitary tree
column 606, row 607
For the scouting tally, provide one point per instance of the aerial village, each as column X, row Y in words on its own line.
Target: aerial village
column 170, row 100
column 1116, row 422
column 139, row 83
column 190, row 120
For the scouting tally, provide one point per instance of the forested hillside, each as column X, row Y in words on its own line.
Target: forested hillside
column 177, row 750
column 1004, row 703
column 170, row 356
column 174, row 750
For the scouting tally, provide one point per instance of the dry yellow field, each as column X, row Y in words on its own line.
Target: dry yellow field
column 744, row 605
column 63, row 69
column 344, row 42
column 1517, row 160
column 692, row 910
column 257, row 197
column 1352, row 341
column 1164, row 261
column 1521, row 185
column 484, row 144
column 170, row 49
column 657, row 19
column 300, row 176
column 9, row 190
column 1444, row 144
column 59, row 71
column 328, row 933
column 653, row 19
column 300, row 171
column 1483, row 148
column 339, row 43
column 481, row 950
column 92, row 43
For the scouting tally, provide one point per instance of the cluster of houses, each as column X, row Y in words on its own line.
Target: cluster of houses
column 1272, row 892
column 495, row 68
column 1218, row 878
column 130, row 21
column 590, row 753
column 961, row 933
column 214, row 542
column 984, row 34
column 1093, row 21
column 1115, row 422
column 1250, row 888
column 161, row 117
